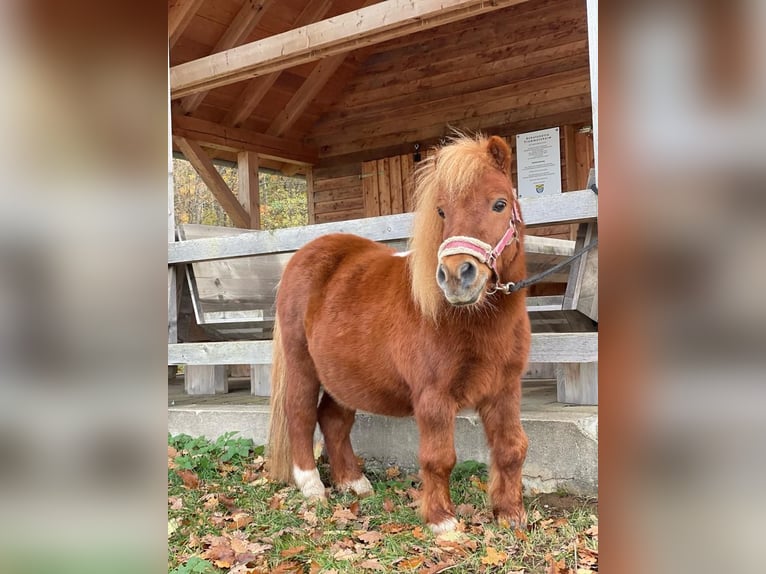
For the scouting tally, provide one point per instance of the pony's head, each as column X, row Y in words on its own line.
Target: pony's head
column 467, row 233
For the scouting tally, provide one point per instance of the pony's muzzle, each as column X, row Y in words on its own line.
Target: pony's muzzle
column 461, row 278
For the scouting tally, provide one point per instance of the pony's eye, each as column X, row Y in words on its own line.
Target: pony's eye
column 499, row 205
column 440, row 212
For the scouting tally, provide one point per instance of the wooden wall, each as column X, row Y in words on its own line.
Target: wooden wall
column 514, row 69
column 384, row 186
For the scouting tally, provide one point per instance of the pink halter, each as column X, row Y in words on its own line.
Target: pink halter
column 484, row 252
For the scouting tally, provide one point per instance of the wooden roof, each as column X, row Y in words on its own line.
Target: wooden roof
column 370, row 84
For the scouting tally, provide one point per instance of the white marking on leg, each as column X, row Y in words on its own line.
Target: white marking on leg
column 447, row 525
column 308, row 482
column 403, row 253
column 360, row 486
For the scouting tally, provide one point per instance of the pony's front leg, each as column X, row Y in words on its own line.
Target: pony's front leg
column 508, row 446
column 435, row 416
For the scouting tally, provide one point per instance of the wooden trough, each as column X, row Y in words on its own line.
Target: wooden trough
column 232, row 276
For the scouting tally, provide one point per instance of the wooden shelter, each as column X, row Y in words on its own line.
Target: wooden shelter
column 348, row 93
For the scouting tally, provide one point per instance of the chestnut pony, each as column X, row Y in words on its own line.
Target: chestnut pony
column 425, row 334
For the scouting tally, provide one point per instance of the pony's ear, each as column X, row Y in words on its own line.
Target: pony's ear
column 500, row 153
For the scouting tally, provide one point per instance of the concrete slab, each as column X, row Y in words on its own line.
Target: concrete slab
column 563, row 439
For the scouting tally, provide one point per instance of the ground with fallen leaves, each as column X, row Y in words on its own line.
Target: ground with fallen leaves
column 226, row 516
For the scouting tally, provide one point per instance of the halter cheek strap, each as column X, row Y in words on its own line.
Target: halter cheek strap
column 484, row 252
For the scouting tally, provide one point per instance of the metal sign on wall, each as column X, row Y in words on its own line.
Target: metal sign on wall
column 538, row 157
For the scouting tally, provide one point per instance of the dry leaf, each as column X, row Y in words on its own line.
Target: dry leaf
column 410, row 563
column 227, row 502
column 494, row 557
column 189, row 478
column 292, row 551
column 221, row 555
column 520, row 535
column 241, row 519
column 342, row 515
column 354, row 508
column 175, row 502
column 276, row 502
column 315, row 567
column 555, row 566
column 592, row 531
column 211, row 501
column 393, row 527
column 393, row 472
column 372, row 564
column 388, row 505
column 288, row 568
column 418, row 533
column 370, row 537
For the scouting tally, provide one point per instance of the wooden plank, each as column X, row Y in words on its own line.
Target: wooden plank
column 247, row 170
column 203, row 165
column 180, row 14
column 311, row 195
column 336, row 183
column 408, row 182
column 592, row 10
column 545, row 348
column 356, row 204
column 570, row 158
column 340, row 216
column 374, row 24
column 243, row 23
column 341, row 193
column 370, row 189
column 320, row 75
column 238, row 139
column 572, row 207
column 257, row 88
column 577, row 383
column 384, row 186
column 582, row 287
column 220, row 353
column 395, row 184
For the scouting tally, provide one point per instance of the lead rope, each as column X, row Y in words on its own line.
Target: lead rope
column 512, row 287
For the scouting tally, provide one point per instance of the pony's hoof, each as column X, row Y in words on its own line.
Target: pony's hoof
column 514, row 521
column 361, row 486
column 309, row 483
column 446, row 525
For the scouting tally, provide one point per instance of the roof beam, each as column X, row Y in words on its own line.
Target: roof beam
column 240, row 28
column 238, row 139
column 311, row 86
column 257, row 89
column 350, row 31
column 180, row 14
column 203, row 165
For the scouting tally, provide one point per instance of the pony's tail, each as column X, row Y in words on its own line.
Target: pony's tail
column 280, row 457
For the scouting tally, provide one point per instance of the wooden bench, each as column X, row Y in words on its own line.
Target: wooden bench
column 231, row 277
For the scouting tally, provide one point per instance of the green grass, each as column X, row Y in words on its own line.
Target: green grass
column 229, row 517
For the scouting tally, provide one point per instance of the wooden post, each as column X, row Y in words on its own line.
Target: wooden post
column 260, row 380
column 206, row 379
column 310, row 195
column 592, row 9
column 172, row 302
column 249, row 193
column 577, row 383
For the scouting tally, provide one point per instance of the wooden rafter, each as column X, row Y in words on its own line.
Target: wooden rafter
column 238, row 139
column 257, row 89
column 240, row 28
column 366, row 26
column 180, row 13
column 203, row 165
column 320, row 75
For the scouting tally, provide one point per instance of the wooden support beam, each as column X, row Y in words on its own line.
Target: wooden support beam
column 310, row 195
column 247, row 166
column 257, row 89
column 371, row 25
column 572, row 207
column 180, row 13
column 545, row 348
column 203, row 165
column 240, row 28
column 238, row 139
column 320, row 75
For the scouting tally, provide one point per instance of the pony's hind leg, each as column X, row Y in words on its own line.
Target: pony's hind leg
column 336, row 421
column 301, row 398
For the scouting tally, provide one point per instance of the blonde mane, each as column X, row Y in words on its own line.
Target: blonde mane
column 451, row 172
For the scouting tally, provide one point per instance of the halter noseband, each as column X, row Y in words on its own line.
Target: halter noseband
column 484, row 252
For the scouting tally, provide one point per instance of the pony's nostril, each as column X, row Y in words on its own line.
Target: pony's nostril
column 441, row 275
column 467, row 273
